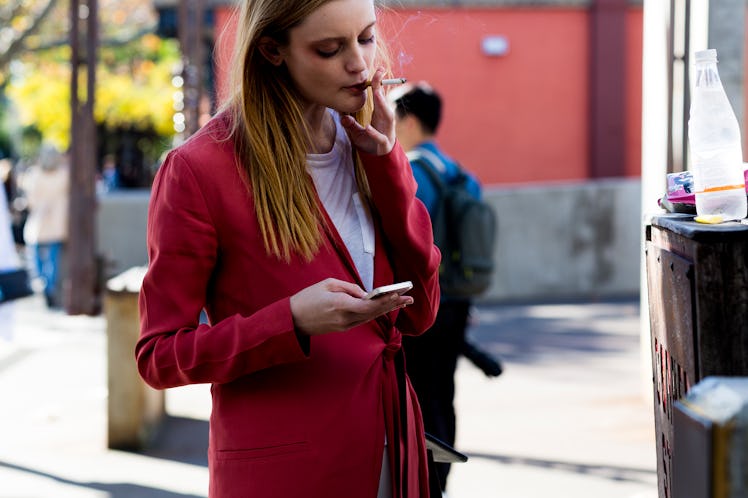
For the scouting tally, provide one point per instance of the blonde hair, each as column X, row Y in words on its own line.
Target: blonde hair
column 270, row 134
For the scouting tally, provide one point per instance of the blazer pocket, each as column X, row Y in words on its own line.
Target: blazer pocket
column 267, row 452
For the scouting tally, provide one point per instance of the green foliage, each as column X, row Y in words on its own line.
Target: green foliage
column 134, row 73
column 41, row 97
column 133, row 91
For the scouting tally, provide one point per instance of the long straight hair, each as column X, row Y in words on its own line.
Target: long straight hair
column 270, row 134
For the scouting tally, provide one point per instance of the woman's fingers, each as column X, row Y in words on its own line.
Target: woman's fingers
column 334, row 305
column 379, row 136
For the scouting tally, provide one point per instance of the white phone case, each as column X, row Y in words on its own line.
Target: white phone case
column 400, row 288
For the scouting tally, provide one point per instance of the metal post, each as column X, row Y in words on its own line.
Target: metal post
column 678, row 48
column 190, row 30
column 81, row 281
column 607, row 88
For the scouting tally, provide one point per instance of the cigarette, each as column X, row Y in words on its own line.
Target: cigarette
column 391, row 81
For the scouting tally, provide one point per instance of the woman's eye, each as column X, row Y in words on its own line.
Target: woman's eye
column 326, row 54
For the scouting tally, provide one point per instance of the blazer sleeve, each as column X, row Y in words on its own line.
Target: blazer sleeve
column 409, row 237
column 174, row 348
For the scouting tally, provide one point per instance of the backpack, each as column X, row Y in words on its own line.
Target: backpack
column 465, row 230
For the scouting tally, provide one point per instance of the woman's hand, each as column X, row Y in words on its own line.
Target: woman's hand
column 334, row 305
column 379, row 137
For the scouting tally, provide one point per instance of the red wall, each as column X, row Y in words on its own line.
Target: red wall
column 522, row 117
column 634, row 83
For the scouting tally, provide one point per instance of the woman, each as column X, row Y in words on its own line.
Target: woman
column 276, row 218
column 46, row 187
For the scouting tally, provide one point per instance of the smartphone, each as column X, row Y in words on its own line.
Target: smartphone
column 399, row 288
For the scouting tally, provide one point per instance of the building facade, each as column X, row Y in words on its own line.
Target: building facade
column 534, row 91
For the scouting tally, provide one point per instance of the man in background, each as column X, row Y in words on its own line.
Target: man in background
column 431, row 359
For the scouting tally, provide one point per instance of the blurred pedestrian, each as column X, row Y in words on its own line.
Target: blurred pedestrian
column 16, row 201
column 46, row 186
column 9, row 259
column 431, row 358
column 108, row 179
column 276, row 218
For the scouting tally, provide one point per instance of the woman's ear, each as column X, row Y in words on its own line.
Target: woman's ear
column 270, row 49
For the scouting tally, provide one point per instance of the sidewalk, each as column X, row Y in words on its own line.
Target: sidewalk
column 567, row 418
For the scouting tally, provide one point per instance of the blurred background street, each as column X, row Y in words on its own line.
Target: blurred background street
column 569, row 417
column 571, row 114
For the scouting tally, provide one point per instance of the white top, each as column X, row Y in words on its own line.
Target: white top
column 47, row 194
column 335, row 181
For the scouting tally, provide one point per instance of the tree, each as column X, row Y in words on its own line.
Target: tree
column 32, row 26
column 20, row 21
column 134, row 91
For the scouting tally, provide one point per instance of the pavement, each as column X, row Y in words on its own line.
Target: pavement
column 570, row 416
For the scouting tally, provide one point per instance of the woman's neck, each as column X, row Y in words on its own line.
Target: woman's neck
column 321, row 130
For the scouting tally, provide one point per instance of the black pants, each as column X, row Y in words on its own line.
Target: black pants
column 431, row 361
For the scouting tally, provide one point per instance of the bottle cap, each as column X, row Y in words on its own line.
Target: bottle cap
column 709, row 55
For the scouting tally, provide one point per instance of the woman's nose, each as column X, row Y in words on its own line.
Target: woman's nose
column 356, row 62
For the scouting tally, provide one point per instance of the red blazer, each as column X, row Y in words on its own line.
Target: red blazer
column 288, row 419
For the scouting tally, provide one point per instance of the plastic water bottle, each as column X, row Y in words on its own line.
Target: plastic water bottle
column 716, row 151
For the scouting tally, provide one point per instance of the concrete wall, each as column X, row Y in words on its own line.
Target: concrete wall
column 567, row 241
column 524, row 116
column 121, row 222
column 557, row 241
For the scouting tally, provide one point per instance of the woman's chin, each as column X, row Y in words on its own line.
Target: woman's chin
column 350, row 105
